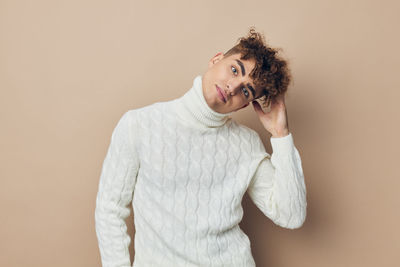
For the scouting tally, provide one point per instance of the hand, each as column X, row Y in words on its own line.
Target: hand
column 274, row 121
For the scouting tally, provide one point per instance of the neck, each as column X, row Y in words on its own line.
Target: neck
column 193, row 108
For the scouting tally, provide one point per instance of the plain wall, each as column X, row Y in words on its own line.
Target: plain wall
column 70, row 69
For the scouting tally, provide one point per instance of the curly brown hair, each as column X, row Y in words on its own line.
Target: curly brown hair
column 271, row 72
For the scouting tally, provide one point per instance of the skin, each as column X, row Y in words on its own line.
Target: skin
column 226, row 73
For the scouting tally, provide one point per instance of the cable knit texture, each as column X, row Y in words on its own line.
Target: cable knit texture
column 185, row 169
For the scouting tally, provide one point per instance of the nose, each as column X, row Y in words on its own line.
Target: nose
column 232, row 86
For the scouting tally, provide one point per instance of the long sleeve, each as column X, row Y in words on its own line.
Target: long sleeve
column 278, row 188
column 115, row 192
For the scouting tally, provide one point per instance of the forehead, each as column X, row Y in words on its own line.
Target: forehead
column 248, row 63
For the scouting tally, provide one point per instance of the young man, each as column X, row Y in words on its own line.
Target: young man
column 185, row 165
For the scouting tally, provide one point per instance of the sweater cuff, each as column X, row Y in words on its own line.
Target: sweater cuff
column 282, row 145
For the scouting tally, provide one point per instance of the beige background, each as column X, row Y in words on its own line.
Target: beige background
column 70, row 69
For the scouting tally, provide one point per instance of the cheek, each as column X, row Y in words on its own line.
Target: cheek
column 223, row 72
column 238, row 101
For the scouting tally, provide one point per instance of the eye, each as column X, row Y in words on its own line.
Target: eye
column 234, row 70
column 246, row 92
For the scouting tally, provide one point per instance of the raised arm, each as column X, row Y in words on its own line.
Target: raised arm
column 277, row 187
column 115, row 192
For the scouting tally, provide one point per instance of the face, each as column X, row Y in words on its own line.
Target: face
column 226, row 84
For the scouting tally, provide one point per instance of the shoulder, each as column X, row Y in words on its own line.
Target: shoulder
column 133, row 115
column 156, row 107
column 142, row 116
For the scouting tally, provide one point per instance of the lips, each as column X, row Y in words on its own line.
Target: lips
column 220, row 93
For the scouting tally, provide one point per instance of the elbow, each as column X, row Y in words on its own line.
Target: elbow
column 297, row 220
column 298, row 214
column 292, row 219
column 295, row 224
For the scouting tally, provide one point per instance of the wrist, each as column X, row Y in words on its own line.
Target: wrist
column 279, row 134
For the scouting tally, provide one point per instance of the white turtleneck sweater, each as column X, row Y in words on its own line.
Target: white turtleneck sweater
column 185, row 169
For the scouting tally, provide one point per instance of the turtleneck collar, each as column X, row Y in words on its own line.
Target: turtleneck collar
column 193, row 108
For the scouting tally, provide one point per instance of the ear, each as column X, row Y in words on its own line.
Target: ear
column 215, row 59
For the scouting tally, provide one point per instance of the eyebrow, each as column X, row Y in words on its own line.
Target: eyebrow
column 244, row 73
column 241, row 66
column 252, row 90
